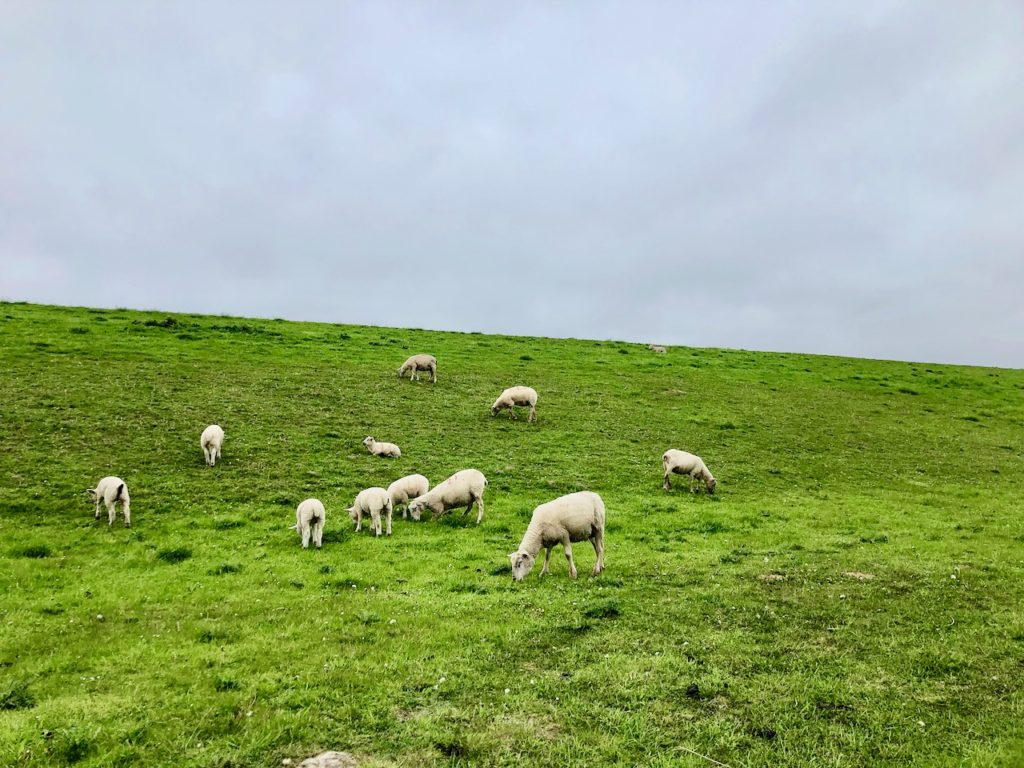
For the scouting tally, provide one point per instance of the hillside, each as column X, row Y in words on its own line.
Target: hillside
column 850, row 596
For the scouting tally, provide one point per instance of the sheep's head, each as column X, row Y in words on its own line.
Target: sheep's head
column 91, row 492
column 368, row 440
column 522, row 564
column 416, row 508
column 401, row 370
column 495, row 409
column 710, row 484
column 352, row 513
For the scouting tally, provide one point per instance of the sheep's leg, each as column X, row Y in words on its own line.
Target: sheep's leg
column 512, row 412
column 433, row 374
column 97, row 507
column 305, row 537
column 666, row 485
column 127, row 512
column 111, row 512
column 691, row 483
column 598, row 542
column 547, row 560
column 375, row 522
column 533, row 413
column 567, row 546
column 389, row 511
column 405, row 510
column 318, row 534
column 479, row 509
column 359, row 521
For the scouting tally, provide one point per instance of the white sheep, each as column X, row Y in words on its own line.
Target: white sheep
column 385, row 450
column 657, row 348
column 514, row 396
column 575, row 517
column 310, row 517
column 464, row 488
column 419, row 363
column 111, row 490
column 211, row 441
column 373, row 502
column 683, row 463
column 404, row 489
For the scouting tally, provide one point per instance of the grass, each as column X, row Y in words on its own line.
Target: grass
column 851, row 596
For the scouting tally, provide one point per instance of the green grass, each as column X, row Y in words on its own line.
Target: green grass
column 851, row 596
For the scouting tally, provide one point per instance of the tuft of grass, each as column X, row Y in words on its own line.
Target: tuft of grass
column 605, row 609
column 174, row 554
column 34, row 551
column 16, row 696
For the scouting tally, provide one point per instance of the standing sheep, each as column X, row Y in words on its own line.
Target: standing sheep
column 372, row 502
column 384, row 450
column 683, row 463
column 403, row 490
column 575, row 517
column 514, row 396
column 310, row 517
column 111, row 490
column 463, row 488
column 211, row 441
column 419, row 363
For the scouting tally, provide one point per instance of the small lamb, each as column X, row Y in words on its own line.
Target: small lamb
column 384, row 450
column 575, row 517
column 657, row 348
column 419, row 363
column 403, row 490
column 372, row 502
column 514, row 396
column 310, row 517
column 210, row 442
column 463, row 488
column 683, row 463
column 111, row 490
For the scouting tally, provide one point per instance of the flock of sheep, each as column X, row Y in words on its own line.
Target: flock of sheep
column 569, row 519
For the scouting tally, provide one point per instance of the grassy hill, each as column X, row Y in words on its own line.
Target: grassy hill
column 852, row 595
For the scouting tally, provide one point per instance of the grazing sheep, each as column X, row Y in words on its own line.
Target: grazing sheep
column 657, row 348
column 514, row 396
column 385, row 450
column 210, row 442
column 310, row 517
column 403, row 490
column 575, row 517
column 419, row 363
column 683, row 463
column 462, row 488
column 372, row 502
column 111, row 490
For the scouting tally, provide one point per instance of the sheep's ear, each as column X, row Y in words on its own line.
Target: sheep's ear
column 91, row 491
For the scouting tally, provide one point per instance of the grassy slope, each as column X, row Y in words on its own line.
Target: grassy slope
column 419, row 648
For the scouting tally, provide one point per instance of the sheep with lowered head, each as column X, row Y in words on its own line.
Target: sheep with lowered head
column 464, row 488
column 683, row 463
column 310, row 517
column 513, row 396
column 109, row 491
column 374, row 502
column 657, row 348
column 419, row 363
column 385, row 450
column 405, row 489
column 211, row 441
column 567, row 519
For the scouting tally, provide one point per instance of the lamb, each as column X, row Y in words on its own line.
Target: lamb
column 403, row 490
column 310, row 517
column 514, row 396
column 683, row 463
column 372, row 502
column 463, row 488
column 111, row 490
column 210, row 442
column 575, row 517
column 657, row 348
column 385, row 450
column 419, row 363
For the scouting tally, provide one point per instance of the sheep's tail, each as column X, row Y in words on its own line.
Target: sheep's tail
column 120, row 490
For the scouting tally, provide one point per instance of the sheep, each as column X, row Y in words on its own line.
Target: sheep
column 514, row 396
column 111, row 490
column 403, row 490
column 210, row 442
column 419, row 363
column 463, row 488
column 657, row 348
column 385, row 450
column 372, row 502
column 310, row 517
column 575, row 517
column 683, row 463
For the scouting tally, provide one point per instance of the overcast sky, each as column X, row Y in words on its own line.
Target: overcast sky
column 835, row 177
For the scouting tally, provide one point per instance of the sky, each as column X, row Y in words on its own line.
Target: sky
column 839, row 178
